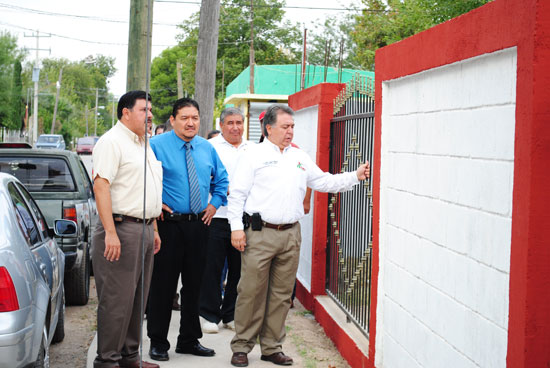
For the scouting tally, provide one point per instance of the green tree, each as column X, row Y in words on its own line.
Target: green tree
column 335, row 30
column 383, row 22
column 79, row 82
column 275, row 42
column 16, row 103
column 10, row 81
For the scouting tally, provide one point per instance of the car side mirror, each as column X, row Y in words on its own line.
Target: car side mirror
column 65, row 228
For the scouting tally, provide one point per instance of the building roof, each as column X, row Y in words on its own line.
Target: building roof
column 285, row 79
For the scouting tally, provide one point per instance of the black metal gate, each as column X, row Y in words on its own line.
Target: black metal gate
column 349, row 250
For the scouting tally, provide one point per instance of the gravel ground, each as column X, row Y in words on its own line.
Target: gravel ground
column 303, row 332
column 80, row 328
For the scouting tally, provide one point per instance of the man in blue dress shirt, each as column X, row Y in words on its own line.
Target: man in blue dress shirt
column 191, row 171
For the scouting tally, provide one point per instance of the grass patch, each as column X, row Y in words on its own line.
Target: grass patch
column 300, row 344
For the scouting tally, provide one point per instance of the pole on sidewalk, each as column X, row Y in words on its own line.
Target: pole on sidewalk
column 58, row 86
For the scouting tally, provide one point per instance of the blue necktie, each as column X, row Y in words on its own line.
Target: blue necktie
column 194, row 191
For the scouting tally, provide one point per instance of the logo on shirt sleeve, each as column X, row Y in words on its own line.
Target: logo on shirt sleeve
column 301, row 166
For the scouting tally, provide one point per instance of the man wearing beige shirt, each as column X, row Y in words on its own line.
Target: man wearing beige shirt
column 118, row 175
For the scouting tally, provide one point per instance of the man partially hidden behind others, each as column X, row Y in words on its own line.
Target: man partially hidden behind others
column 268, row 186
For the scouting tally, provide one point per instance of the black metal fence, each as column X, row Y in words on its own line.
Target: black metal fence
column 349, row 250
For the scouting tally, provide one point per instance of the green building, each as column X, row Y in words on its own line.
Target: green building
column 273, row 84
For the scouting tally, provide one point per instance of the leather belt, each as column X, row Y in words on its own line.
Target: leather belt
column 277, row 227
column 121, row 218
column 174, row 216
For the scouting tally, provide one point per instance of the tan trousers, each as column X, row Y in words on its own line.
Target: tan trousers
column 268, row 272
column 119, row 292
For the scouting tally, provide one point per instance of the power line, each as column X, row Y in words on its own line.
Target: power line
column 88, row 17
column 260, row 6
column 77, row 39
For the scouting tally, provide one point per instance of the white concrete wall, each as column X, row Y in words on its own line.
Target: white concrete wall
column 305, row 136
column 445, row 215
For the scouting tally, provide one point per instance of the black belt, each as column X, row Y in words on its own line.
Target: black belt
column 277, row 227
column 174, row 216
column 120, row 218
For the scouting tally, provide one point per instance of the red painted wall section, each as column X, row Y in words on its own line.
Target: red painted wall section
column 529, row 330
column 501, row 24
column 321, row 95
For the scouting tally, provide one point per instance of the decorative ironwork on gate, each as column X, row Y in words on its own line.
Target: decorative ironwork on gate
column 349, row 250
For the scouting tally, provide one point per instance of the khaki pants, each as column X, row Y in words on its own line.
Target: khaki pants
column 119, row 292
column 268, row 272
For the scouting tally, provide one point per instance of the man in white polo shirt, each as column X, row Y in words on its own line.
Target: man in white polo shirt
column 213, row 310
column 118, row 178
column 269, row 185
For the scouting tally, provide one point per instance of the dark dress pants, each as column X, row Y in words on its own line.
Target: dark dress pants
column 183, row 249
column 219, row 248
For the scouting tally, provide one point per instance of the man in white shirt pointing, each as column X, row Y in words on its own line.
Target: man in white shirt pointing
column 268, row 186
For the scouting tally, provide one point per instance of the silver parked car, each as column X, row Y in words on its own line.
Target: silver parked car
column 32, row 266
column 50, row 141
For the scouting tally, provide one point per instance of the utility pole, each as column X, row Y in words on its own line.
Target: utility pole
column 138, row 54
column 58, row 87
column 251, row 61
column 35, row 78
column 86, row 115
column 113, row 120
column 96, row 100
column 223, row 78
column 340, row 61
column 205, row 71
column 180, row 83
column 327, row 58
column 304, row 61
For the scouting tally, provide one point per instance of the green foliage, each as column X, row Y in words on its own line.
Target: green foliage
column 10, row 82
column 164, row 89
column 79, row 82
column 275, row 42
column 16, row 103
column 335, row 30
column 383, row 22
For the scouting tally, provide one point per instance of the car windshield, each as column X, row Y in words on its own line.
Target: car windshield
column 86, row 140
column 48, row 139
column 40, row 174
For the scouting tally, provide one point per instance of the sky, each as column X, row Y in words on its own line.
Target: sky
column 81, row 28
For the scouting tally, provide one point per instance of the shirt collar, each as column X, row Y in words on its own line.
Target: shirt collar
column 124, row 129
column 181, row 142
column 274, row 146
column 224, row 141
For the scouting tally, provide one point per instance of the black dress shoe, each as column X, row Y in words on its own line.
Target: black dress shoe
column 158, row 354
column 195, row 349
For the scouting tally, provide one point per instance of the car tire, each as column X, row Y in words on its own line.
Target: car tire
column 59, row 333
column 77, row 280
column 43, row 360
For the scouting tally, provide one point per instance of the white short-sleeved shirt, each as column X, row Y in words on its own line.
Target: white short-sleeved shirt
column 118, row 157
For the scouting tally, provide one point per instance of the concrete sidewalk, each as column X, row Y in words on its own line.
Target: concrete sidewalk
column 219, row 342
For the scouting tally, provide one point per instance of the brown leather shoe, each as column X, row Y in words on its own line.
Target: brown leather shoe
column 239, row 360
column 135, row 364
column 278, row 358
